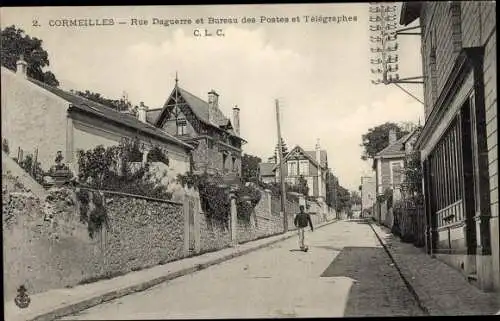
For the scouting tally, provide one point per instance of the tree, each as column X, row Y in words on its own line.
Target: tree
column 284, row 149
column 377, row 138
column 331, row 183
column 250, row 168
column 14, row 43
column 343, row 199
column 355, row 198
column 121, row 104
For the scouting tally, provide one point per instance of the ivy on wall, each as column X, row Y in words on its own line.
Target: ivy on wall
column 93, row 210
column 215, row 196
column 413, row 178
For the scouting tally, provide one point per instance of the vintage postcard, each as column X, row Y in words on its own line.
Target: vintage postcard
column 250, row 161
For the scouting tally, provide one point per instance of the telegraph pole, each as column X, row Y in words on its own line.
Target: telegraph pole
column 384, row 37
column 281, row 166
column 361, row 190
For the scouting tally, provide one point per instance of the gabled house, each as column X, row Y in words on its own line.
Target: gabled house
column 266, row 173
column 312, row 165
column 201, row 123
column 389, row 163
column 46, row 119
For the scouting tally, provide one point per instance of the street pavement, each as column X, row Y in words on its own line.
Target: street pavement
column 346, row 273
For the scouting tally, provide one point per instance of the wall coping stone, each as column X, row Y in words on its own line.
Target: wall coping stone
column 132, row 195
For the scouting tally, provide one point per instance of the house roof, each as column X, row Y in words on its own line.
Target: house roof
column 200, row 110
column 266, row 169
column 394, row 149
column 322, row 157
column 311, row 155
column 152, row 115
column 410, row 11
column 88, row 106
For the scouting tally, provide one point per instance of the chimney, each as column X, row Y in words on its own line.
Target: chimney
column 141, row 112
column 392, row 136
column 213, row 105
column 236, row 120
column 22, row 67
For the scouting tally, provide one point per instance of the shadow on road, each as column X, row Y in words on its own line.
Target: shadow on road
column 377, row 289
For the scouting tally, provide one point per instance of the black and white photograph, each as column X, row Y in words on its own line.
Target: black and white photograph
column 272, row 160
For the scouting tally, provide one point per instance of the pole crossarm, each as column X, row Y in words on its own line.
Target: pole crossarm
column 412, row 78
column 405, row 82
column 410, row 33
column 409, row 93
column 406, row 29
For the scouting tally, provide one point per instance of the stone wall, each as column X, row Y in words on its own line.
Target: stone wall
column 46, row 246
column 213, row 235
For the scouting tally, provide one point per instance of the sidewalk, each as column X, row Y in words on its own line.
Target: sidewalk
column 61, row 302
column 441, row 289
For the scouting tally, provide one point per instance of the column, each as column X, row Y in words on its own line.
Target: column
column 234, row 226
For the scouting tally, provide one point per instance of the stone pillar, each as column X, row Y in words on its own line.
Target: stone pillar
column 233, row 220
column 145, row 156
column 269, row 201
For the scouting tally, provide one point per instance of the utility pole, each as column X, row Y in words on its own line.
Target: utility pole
column 361, row 192
column 282, row 167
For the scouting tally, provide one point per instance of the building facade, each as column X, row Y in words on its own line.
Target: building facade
column 311, row 165
column 368, row 193
column 458, row 143
column 389, row 163
column 218, row 146
column 42, row 120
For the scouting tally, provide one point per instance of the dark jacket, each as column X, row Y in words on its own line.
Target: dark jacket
column 302, row 220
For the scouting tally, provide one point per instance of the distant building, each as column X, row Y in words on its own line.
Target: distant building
column 266, row 173
column 389, row 163
column 312, row 165
column 368, row 192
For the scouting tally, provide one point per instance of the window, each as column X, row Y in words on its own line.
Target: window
column 292, row 168
column 396, row 172
column 310, row 184
column 446, row 167
column 181, row 127
column 233, row 166
column 210, row 143
column 224, row 158
column 304, row 167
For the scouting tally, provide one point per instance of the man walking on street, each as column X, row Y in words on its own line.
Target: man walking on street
column 301, row 221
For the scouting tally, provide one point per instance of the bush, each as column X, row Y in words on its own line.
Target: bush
column 34, row 170
column 111, row 169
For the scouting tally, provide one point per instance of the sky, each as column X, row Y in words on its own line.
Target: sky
column 320, row 72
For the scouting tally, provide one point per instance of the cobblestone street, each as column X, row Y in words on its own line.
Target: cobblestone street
column 345, row 273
